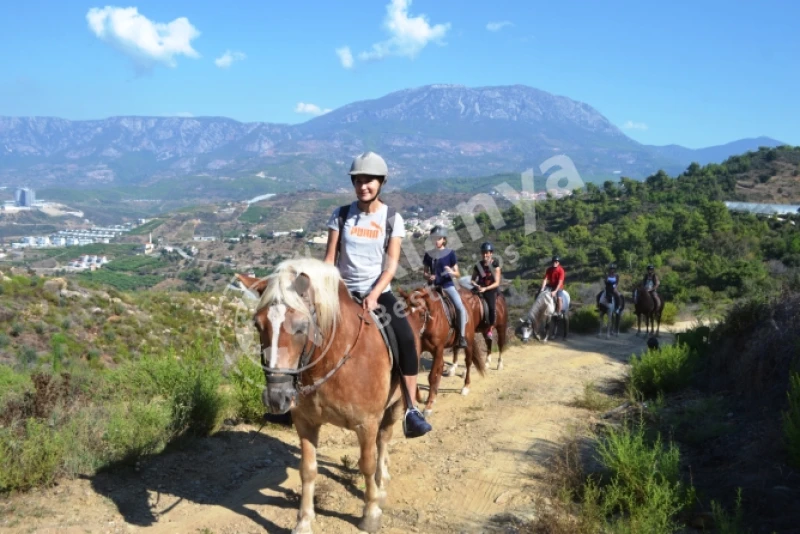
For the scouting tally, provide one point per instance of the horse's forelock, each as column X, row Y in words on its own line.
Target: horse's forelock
column 324, row 289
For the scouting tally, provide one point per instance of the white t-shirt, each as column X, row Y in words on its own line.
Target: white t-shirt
column 362, row 257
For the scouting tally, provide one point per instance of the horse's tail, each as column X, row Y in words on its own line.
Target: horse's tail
column 480, row 363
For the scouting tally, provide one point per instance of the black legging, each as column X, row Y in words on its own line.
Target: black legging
column 491, row 297
column 409, row 365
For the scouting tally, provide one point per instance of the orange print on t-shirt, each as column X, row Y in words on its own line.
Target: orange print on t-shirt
column 365, row 232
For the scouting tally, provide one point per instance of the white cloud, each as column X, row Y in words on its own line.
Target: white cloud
column 345, row 56
column 630, row 125
column 407, row 35
column 145, row 41
column 225, row 60
column 497, row 26
column 311, row 109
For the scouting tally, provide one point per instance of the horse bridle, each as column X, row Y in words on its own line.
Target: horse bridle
column 278, row 375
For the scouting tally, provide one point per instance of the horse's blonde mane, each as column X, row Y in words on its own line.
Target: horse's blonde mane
column 324, row 279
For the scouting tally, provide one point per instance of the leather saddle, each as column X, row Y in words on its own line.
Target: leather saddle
column 387, row 333
column 449, row 309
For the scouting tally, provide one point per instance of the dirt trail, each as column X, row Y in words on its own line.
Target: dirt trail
column 479, row 463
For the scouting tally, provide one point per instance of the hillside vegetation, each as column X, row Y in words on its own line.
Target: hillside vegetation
column 91, row 377
column 705, row 255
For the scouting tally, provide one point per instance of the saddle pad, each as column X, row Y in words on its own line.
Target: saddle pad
column 449, row 309
column 388, row 338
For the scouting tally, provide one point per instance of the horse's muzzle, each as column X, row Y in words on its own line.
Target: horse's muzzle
column 280, row 394
column 524, row 331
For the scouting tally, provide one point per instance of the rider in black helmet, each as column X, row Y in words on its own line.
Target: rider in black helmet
column 651, row 283
column 486, row 278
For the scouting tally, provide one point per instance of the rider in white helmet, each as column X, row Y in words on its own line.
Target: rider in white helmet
column 364, row 246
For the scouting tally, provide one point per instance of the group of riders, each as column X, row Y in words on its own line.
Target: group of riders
column 364, row 243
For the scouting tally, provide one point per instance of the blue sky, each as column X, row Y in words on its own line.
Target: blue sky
column 695, row 74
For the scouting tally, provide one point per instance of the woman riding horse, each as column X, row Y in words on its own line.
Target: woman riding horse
column 486, row 277
column 361, row 251
column 554, row 282
column 441, row 269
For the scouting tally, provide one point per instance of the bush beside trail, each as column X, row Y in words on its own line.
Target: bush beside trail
column 75, row 424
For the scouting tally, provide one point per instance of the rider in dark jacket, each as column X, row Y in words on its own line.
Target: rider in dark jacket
column 651, row 283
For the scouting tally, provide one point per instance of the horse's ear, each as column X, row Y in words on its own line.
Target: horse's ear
column 253, row 284
column 302, row 284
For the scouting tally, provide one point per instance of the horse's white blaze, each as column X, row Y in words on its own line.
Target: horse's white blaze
column 276, row 316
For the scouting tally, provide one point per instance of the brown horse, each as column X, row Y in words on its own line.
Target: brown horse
column 427, row 306
column 310, row 327
column 645, row 304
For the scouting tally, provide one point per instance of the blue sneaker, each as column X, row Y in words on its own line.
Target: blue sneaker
column 414, row 424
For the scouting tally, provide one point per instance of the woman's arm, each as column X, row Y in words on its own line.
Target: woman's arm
column 392, row 261
column 330, row 252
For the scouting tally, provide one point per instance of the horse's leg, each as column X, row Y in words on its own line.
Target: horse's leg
column 367, row 439
column 451, row 371
column 639, row 320
column 382, row 477
column 469, row 354
column 434, row 378
column 501, row 344
column 489, row 344
column 309, row 436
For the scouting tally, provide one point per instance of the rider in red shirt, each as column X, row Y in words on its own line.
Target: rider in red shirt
column 554, row 281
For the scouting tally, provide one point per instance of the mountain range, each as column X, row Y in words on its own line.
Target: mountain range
column 434, row 131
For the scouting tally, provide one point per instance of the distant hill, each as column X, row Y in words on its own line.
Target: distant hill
column 768, row 175
column 713, row 154
column 434, row 131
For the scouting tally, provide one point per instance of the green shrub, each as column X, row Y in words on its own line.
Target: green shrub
column 30, row 456
column 584, row 321
column 644, row 493
column 729, row 524
column 663, row 370
column 247, row 379
column 669, row 314
column 4, row 340
column 791, row 420
column 191, row 383
column 12, row 383
column 16, row 329
column 139, row 428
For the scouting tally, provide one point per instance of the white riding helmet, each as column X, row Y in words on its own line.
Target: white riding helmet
column 371, row 164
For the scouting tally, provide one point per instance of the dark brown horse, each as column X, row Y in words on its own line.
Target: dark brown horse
column 645, row 305
column 437, row 334
column 325, row 361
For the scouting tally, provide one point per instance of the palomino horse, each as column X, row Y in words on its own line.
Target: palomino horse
column 541, row 314
column 644, row 304
column 309, row 327
column 610, row 310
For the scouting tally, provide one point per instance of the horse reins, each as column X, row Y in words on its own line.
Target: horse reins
column 279, row 375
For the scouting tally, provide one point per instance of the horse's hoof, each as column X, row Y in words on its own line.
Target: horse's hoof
column 303, row 527
column 427, row 412
column 499, row 366
column 371, row 524
column 465, row 391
